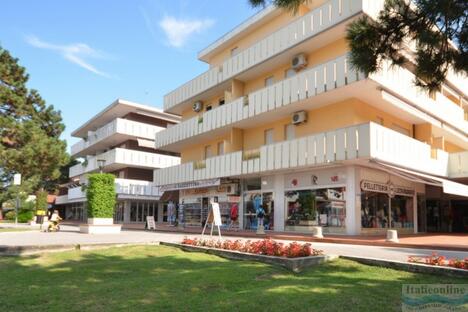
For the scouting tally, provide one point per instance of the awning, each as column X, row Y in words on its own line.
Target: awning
column 169, row 195
column 449, row 187
column 146, row 143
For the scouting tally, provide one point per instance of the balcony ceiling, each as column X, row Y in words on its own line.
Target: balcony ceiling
column 117, row 109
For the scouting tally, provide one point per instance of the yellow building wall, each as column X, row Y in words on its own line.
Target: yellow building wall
column 197, row 151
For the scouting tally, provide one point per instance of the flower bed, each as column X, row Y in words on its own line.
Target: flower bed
column 438, row 260
column 266, row 247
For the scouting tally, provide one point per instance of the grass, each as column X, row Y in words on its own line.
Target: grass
column 160, row 278
column 16, row 229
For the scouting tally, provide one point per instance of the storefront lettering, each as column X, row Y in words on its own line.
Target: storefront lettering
column 190, row 185
column 387, row 188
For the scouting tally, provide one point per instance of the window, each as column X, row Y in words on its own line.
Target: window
column 221, row 101
column 289, row 132
column 269, row 81
column 208, row 108
column 208, row 152
column 400, row 129
column 234, row 51
column 269, row 139
column 221, row 148
column 289, row 73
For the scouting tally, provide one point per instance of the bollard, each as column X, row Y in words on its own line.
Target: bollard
column 392, row 236
column 317, row 232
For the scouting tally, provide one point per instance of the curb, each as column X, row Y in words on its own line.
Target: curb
column 30, row 250
column 410, row 267
column 295, row 265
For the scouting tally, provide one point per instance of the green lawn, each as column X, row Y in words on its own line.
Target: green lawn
column 18, row 229
column 159, row 278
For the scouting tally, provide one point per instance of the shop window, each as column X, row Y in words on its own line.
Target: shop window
column 375, row 212
column 290, row 132
column 269, row 81
column 325, row 207
column 269, row 136
column 252, row 202
column 221, row 148
column 133, row 212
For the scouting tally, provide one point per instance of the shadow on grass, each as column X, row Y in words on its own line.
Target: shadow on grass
column 159, row 278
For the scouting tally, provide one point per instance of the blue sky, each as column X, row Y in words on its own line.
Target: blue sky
column 81, row 55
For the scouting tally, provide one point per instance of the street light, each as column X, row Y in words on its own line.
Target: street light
column 17, row 181
column 101, row 163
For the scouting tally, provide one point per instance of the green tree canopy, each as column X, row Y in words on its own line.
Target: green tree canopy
column 30, row 132
column 438, row 27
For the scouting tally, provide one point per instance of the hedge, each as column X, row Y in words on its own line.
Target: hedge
column 101, row 195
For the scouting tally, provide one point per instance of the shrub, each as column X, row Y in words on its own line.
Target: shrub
column 101, row 195
column 24, row 215
column 41, row 200
column 10, row 215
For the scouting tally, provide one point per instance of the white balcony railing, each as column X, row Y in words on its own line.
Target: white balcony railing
column 121, row 126
column 61, row 199
column 136, row 188
column 322, row 78
column 125, row 157
column 365, row 141
column 458, row 165
column 303, row 28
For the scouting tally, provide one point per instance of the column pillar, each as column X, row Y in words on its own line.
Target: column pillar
column 126, row 212
column 279, row 203
column 415, row 213
column 353, row 201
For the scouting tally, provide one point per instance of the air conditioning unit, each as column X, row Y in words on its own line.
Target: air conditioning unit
column 197, row 106
column 299, row 117
column 299, row 62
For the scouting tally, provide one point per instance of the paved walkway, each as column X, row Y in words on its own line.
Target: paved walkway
column 70, row 235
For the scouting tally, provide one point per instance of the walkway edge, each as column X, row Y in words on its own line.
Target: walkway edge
column 410, row 267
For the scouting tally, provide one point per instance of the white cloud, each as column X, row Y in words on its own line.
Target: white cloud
column 75, row 53
column 178, row 31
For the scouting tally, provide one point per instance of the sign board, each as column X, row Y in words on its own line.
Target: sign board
column 150, row 223
column 387, row 188
column 190, row 185
column 17, row 179
column 216, row 214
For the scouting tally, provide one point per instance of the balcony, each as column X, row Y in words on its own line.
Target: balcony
column 116, row 131
column 327, row 83
column 458, row 165
column 345, row 145
column 120, row 158
column 316, row 22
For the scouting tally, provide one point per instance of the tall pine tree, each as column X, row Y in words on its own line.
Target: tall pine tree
column 30, row 132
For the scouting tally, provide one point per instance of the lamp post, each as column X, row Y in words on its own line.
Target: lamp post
column 101, row 163
column 17, row 181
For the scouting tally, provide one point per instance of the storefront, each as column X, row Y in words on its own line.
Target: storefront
column 196, row 200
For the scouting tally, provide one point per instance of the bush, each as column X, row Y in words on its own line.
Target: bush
column 101, row 195
column 10, row 215
column 24, row 215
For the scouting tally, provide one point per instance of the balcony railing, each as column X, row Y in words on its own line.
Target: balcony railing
column 458, row 165
column 316, row 21
column 322, row 78
column 363, row 141
column 121, row 126
column 125, row 157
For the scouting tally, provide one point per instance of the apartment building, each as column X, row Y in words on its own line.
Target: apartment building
column 282, row 120
column 120, row 140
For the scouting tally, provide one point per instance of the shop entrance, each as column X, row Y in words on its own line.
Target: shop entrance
column 460, row 216
column 253, row 200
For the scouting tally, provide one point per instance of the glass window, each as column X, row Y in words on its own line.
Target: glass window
column 208, row 152
column 133, row 212
column 374, row 210
column 252, row 184
column 221, row 148
column 402, row 212
column 269, row 139
column 269, row 81
column 290, row 132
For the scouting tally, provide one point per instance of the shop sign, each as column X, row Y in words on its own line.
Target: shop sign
column 387, row 188
column 190, row 185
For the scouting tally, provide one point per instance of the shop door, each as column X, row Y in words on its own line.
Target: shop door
column 269, row 207
column 422, row 213
column 460, row 216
